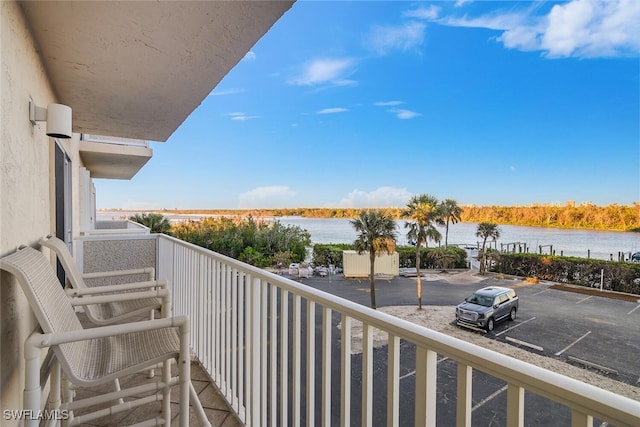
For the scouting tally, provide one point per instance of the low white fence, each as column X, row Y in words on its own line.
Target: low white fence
column 267, row 343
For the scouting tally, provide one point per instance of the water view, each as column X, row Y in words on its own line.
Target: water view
column 579, row 243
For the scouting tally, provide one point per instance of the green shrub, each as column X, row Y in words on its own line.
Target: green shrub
column 618, row 276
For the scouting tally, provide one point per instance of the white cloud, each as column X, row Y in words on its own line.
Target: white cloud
column 332, row 110
column 404, row 114
column 380, row 197
column 388, row 103
column 461, row 3
column 240, row 116
column 250, row 56
column 429, row 13
column 325, row 71
column 265, row 197
column 578, row 28
column 384, row 39
column 217, row 92
column 590, row 29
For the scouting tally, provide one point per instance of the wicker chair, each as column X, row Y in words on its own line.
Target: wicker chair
column 95, row 356
column 149, row 295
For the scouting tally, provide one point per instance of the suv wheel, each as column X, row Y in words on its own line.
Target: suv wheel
column 490, row 324
column 512, row 314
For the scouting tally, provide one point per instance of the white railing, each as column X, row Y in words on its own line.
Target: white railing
column 250, row 330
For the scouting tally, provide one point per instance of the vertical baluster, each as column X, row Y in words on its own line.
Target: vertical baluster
column 345, row 374
column 326, row 367
column 273, row 351
column 233, row 398
column 463, row 400
column 426, row 387
column 228, row 312
column 515, row 406
column 284, row 356
column 311, row 362
column 393, row 380
column 241, row 342
column 264, row 349
column 253, row 387
column 367, row 375
column 296, row 380
column 580, row 419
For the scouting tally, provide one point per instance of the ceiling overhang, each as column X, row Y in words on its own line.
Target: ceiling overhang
column 137, row 69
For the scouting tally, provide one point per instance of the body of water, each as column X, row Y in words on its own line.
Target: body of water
column 579, row 243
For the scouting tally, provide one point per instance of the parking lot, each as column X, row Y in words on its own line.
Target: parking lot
column 597, row 334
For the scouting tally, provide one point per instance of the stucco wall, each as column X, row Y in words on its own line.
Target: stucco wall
column 108, row 255
column 25, row 200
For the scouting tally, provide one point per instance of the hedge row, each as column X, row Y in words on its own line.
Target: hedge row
column 440, row 257
column 618, row 276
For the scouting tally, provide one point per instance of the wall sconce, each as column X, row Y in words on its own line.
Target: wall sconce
column 57, row 116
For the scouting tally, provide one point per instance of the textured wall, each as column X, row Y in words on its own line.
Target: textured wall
column 108, row 255
column 25, row 203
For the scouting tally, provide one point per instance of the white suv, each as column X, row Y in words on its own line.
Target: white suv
column 486, row 307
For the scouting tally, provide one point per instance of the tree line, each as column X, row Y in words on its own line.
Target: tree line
column 570, row 215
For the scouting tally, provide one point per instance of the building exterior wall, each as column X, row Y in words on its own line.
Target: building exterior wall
column 26, row 201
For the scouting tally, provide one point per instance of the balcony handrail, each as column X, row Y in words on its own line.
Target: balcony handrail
column 247, row 326
column 579, row 396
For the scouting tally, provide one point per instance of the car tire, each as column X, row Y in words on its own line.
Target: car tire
column 490, row 324
column 513, row 314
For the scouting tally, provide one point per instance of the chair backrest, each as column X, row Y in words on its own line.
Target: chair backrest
column 40, row 285
column 64, row 256
column 50, row 304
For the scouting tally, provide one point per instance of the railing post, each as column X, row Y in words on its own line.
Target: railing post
column 515, row 406
column 579, row 419
column 426, row 387
column 463, row 400
column 273, row 351
column 326, row 366
column 367, row 375
column 284, row 357
column 393, row 380
column 311, row 362
column 345, row 373
column 296, row 380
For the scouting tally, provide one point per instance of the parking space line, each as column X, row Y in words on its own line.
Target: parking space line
column 408, row 374
column 572, row 344
column 541, row 292
column 524, row 343
column 488, row 398
column 637, row 307
column 584, row 299
column 514, row 326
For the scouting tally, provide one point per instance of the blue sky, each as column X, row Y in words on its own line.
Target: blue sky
column 366, row 103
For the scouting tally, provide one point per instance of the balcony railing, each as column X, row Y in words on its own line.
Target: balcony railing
column 272, row 347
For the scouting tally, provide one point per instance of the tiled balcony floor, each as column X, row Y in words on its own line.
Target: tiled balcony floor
column 218, row 412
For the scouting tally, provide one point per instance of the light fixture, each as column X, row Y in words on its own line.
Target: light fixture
column 57, row 116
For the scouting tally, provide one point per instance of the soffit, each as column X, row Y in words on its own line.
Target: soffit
column 137, row 69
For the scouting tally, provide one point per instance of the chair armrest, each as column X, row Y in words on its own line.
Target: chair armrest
column 148, row 270
column 47, row 340
column 73, row 292
column 127, row 296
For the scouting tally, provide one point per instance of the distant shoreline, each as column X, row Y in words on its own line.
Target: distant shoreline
column 614, row 217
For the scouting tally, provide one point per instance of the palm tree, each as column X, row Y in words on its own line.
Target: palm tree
column 376, row 234
column 422, row 210
column 156, row 222
column 486, row 230
column 451, row 213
